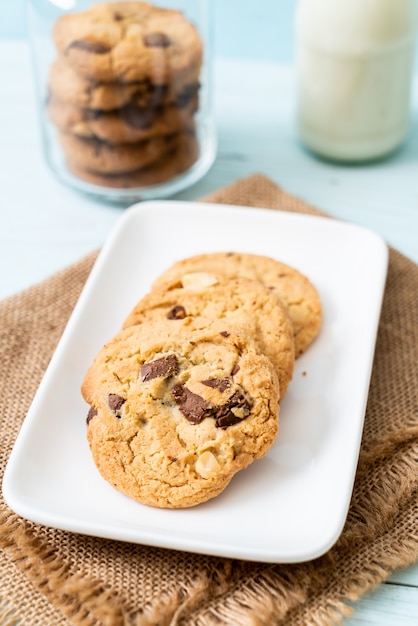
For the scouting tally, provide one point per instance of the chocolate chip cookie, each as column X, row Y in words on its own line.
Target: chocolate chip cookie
column 66, row 85
column 130, row 41
column 167, row 168
column 240, row 301
column 128, row 124
column 99, row 156
column 175, row 414
column 293, row 289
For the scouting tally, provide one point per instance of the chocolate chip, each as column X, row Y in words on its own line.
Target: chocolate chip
column 217, row 383
column 97, row 47
column 117, row 17
column 187, row 94
column 192, row 406
column 164, row 367
column 92, row 412
column 93, row 114
column 156, row 40
column 227, row 420
column 158, row 93
column 235, row 370
column 149, row 95
column 239, row 400
column 179, row 394
column 225, row 416
column 115, row 402
column 177, row 313
column 137, row 117
column 224, row 333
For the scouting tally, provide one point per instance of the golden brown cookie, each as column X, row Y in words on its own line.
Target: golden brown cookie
column 175, row 414
column 240, row 301
column 68, row 86
column 106, row 158
column 164, row 170
column 292, row 288
column 130, row 41
column 128, row 124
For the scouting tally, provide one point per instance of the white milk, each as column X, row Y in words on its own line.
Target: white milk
column 354, row 62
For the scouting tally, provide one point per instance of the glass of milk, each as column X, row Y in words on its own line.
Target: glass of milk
column 354, row 61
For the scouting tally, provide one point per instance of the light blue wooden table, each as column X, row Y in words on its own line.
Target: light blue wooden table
column 45, row 226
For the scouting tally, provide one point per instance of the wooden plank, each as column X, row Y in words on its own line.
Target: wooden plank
column 407, row 577
column 388, row 605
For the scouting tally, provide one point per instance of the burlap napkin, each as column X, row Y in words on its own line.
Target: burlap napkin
column 50, row 577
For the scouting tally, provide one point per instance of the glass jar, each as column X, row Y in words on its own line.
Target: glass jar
column 124, row 94
column 354, row 62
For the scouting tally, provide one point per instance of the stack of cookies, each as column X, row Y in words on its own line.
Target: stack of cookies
column 123, row 93
column 188, row 392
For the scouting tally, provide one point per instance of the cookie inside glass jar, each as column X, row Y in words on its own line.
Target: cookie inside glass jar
column 125, row 94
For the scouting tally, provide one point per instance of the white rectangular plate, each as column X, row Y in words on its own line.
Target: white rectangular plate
column 289, row 506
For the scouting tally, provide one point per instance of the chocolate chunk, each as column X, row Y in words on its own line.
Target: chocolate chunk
column 149, row 95
column 157, row 93
column 238, row 400
column 177, row 313
column 227, row 420
column 115, row 402
column 93, row 114
column 164, row 367
column 225, row 416
column 217, row 383
column 179, row 394
column 192, row 406
column 137, row 117
column 92, row 412
column 224, row 333
column 235, row 370
column 117, row 17
column 187, row 94
column 97, row 47
column 156, row 40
